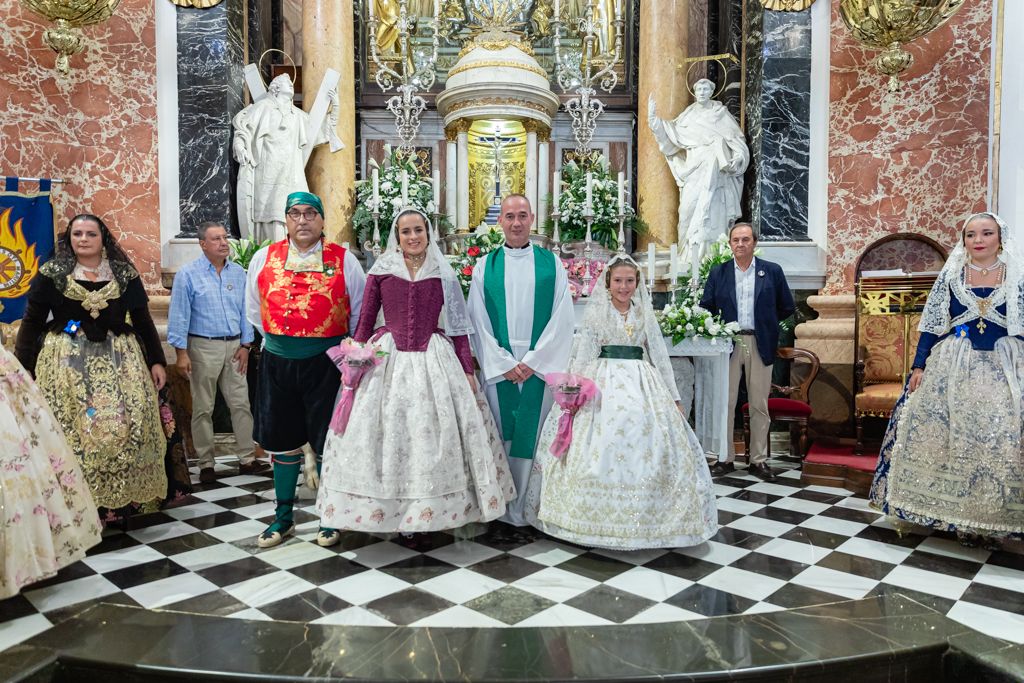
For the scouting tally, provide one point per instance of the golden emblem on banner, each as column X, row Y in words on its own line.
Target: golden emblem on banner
column 18, row 261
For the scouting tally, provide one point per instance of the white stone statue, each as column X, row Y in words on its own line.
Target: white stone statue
column 270, row 140
column 707, row 154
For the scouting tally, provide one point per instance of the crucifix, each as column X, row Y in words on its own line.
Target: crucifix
column 497, row 143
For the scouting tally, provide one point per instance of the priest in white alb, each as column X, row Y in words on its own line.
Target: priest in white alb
column 522, row 312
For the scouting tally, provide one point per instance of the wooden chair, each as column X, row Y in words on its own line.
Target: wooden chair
column 793, row 406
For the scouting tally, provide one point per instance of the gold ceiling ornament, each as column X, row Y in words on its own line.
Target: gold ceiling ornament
column 889, row 24
column 198, row 4
column 69, row 15
column 787, row 5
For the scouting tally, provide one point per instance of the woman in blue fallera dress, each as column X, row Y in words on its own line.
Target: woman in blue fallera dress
column 953, row 456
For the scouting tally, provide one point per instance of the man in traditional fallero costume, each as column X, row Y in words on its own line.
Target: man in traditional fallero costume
column 303, row 295
column 522, row 311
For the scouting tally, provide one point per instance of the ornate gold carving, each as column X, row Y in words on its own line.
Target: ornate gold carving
column 543, row 133
column 451, row 133
column 531, row 126
column 787, row 5
column 462, row 125
column 69, row 15
column 889, row 24
column 198, row 4
column 498, row 101
column 495, row 45
column 486, row 64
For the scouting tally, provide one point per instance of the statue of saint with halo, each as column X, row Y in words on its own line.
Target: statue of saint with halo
column 707, row 154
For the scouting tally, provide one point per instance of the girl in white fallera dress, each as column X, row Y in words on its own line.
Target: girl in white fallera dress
column 47, row 516
column 635, row 475
column 421, row 451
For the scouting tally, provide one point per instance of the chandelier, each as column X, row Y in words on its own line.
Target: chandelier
column 69, row 15
column 594, row 65
column 889, row 24
column 413, row 70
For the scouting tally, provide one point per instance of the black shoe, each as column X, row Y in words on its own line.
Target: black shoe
column 762, row 471
column 207, row 475
column 720, row 469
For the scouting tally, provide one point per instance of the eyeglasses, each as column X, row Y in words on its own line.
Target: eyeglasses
column 308, row 215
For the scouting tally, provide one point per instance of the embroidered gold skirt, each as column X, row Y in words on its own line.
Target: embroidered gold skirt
column 957, row 460
column 103, row 396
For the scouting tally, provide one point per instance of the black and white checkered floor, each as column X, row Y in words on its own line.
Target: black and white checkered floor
column 781, row 545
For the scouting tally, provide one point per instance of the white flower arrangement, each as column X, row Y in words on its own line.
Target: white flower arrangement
column 687, row 318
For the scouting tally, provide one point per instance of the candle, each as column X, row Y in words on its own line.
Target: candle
column 673, row 267
column 437, row 190
column 437, row 8
column 405, row 188
column 588, row 209
column 622, row 192
column 369, row 7
column 376, row 189
column 650, row 264
column 557, row 189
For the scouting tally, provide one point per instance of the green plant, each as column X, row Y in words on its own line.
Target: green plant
column 604, row 202
column 243, row 250
column 420, row 195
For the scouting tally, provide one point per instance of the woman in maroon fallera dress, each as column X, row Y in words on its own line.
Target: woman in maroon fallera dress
column 420, row 451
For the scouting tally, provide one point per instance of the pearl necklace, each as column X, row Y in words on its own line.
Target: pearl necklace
column 1001, row 269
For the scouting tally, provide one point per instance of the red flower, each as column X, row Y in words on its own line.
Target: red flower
column 473, row 251
column 467, row 271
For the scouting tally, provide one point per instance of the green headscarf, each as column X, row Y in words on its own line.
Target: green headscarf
column 307, row 198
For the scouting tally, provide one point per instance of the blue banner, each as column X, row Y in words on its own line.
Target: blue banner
column 26, row 242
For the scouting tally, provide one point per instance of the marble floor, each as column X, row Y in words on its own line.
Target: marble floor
column 781, row 545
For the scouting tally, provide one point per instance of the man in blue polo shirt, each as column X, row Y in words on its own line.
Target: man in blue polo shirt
column 206, row 325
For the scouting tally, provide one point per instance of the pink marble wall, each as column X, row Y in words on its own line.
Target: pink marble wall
column 95, row 128
column 914, row 162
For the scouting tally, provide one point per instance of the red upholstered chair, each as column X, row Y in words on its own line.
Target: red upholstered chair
column 793, row 407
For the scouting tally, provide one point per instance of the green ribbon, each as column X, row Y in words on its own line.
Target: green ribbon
column 622, row 352
column 307, row 198
column 519, row 406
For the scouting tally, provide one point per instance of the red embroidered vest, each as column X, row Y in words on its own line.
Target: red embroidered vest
column 304, row 304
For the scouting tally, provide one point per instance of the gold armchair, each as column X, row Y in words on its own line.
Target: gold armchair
column 888, row 312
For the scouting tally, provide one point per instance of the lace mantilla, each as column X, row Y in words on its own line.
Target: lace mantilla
column 950, row 283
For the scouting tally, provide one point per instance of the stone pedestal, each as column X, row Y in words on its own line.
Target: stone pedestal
column 327, row 42
column 664, row 27
column 830, row 337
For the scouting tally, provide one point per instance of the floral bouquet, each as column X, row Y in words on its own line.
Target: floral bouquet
column 576, row 269
column 475, row 247
column 604, row 203
column 420, row 194
column 354, row 360
column 570, row 392
column 687, row 318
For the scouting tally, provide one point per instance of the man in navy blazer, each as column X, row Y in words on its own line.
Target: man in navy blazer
column 754, row 293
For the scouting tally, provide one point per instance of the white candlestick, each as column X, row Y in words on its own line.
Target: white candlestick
column 589, row 206
column 673, row 267
column 650, row 264
column 437, row 190
column 376, row 188
column 557, row 192
column 369, row 7
column 622, row 192
column 405, row 187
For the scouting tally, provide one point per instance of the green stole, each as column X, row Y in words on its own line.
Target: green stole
column 520, row 410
